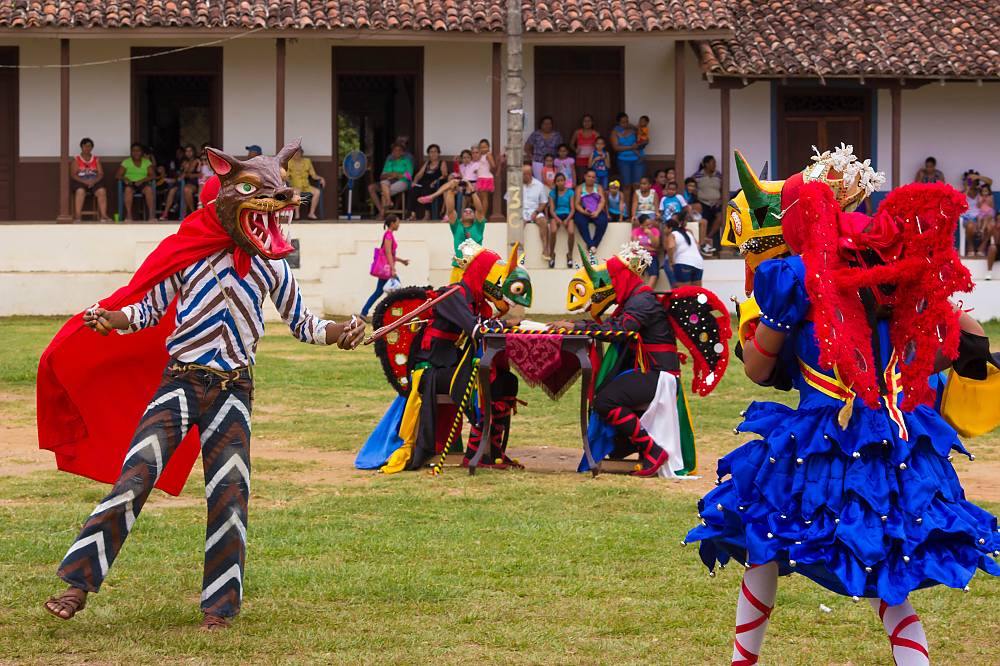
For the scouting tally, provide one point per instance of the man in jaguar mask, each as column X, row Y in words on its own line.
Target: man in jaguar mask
column 193, row 306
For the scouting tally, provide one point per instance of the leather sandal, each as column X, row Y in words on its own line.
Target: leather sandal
column 214, row 622
column 72, row 601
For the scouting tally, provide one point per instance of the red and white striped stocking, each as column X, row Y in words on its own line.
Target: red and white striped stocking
column 753, row 610
column 906, row 633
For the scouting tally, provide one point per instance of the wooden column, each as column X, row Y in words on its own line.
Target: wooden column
column 332, row 205
column 724, row 159
column 680, row 48
column 497, row 113
column 64, row 211
column 279, row 94
column 896, row 93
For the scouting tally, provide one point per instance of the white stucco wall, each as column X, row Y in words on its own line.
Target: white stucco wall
column 38, row 99
column 309, row 95
column 86, row 262
column 458, row 94
column 750, row 128
column 248, row 102
column 702, row 117
column 649, row 90
column 956, row 123
column 97, row 109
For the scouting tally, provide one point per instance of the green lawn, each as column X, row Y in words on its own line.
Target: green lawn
column 521, row 568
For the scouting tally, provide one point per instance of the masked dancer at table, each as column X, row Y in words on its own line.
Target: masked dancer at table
column 438, row 357
column 638, row 404
column 854, row 488
column 110, row 410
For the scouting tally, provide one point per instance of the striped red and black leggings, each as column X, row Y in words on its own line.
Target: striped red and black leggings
column 221, row 411
column 619, row 399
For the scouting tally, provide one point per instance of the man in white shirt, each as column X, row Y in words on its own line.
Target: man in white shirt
column 534, row 202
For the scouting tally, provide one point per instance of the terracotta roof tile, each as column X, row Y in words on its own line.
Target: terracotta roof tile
column 853, row 38
column 434, row 15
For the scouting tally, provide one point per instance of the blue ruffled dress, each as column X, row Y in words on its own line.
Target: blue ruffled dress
column 861, row 511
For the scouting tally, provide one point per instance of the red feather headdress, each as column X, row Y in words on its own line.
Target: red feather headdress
column 913, row 236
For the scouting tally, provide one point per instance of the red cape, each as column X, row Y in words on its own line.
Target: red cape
column 92, row 390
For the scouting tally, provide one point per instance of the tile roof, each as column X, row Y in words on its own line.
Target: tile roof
column 624, row 15
column 566, row 16
column 893, row 38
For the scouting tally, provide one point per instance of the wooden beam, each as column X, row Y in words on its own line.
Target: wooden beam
column 279, row 94
column 679, row 51
column 726, row 148
column 497, row 113
column 332, row 205
column 64, row 212
column 896, row 95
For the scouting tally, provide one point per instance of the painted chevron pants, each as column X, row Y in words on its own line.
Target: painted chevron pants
column 220, row 409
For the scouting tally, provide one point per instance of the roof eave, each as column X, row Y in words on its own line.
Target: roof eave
column 54, row 32
column 721, row 79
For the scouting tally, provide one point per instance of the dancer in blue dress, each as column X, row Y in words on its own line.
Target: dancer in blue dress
column 854, row 488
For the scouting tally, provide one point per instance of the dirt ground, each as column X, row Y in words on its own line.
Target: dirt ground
column 19, row 455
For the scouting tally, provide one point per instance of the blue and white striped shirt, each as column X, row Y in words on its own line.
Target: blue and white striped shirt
column 209, row 333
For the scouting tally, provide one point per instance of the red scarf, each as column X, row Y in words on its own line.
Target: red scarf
column 92, row 390
column 624, row 281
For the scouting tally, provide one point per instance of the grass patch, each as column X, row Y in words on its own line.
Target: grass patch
column 497, row 569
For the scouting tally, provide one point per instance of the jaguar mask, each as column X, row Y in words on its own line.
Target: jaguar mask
column 254, row 205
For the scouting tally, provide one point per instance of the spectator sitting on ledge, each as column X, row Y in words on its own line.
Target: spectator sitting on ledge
column 395, row 179
column 87, row 173
column 929, row 173
column 136, row 172
column 534, row 204
column 253, row 150
column 301, row 173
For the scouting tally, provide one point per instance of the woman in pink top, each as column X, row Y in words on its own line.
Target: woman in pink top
column 389, row 246
column 582, row 143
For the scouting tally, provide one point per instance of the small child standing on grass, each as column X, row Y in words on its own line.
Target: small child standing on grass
column 599, row 161
column 565, row 163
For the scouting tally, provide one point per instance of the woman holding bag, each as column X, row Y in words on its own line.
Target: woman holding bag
column 384, row 263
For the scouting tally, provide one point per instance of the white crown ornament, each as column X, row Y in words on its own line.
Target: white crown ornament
column 844, row 161
column 636, row 257
column 467, row 251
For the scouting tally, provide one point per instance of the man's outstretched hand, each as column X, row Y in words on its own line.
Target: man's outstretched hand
column 347, row 335
column 104, row 321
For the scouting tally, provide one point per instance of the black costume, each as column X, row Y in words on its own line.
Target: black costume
column 445, row 350
column 621, row 399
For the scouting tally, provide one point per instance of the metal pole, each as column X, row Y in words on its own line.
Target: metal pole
column 515, row 123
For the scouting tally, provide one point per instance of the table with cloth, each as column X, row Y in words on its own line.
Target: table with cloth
column 550, row 361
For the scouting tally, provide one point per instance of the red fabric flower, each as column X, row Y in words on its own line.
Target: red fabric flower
column 880, row 233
